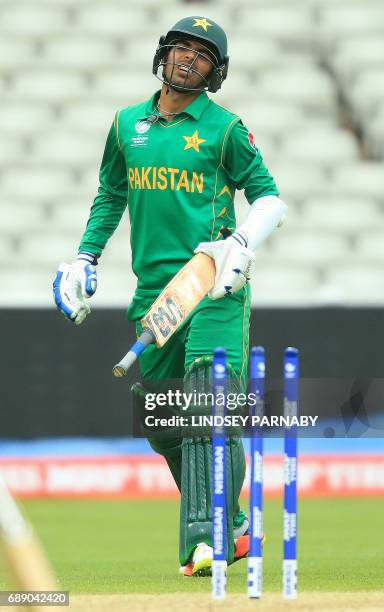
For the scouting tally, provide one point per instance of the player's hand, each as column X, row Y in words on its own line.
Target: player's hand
column 234, row 265
column 73, row 285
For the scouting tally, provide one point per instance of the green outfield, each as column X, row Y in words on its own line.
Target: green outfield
column 131, row 546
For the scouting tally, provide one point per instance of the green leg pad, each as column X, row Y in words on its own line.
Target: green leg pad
column 196, row 493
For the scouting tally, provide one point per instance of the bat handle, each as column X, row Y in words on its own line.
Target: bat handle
column 121, row 368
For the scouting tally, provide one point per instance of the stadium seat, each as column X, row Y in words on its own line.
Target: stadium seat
column 344, row 21
column 340, row 22
column 312, row 90
column 16, row 52
column 89, row 182
column 74, row 201
column 308, row 248
column 370, row 246
column 354, row 56
column 48, row 86
column 285, row 59
column 269, row 116
column 298, row 181
column 88, row 117
column 35, row 20
column 153, row 4
column 117, row 253
column 252, row 54
column 71, row 219
column 124, row 87
column 12, row 149
column 6, row 249
column 289, row 284
column 346, row 3
column 79, row 52
column 366, row 95
column 48, row 249
column 293, row 26
column 358, row 284
column 374, row 135
column 234, row 89
column 36, row 183
column 321, row 146
column 29, row 287
column 21, row 119
column 116, row 21
column 68, row 149
column 138, row 54
column 353, row 215
column 365, row 179
column 19, row 217
column 115, row 287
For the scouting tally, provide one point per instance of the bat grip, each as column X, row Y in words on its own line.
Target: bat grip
column 121, row 368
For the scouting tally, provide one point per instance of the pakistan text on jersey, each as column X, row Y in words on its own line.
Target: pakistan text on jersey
column 163, row 178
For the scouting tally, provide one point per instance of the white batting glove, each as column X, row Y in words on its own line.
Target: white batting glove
column 234, row 264
column 73, row 285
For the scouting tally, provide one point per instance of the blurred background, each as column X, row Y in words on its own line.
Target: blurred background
column 307, row 77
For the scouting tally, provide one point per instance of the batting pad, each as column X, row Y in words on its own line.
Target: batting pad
column 196, row 475
column 196, row 493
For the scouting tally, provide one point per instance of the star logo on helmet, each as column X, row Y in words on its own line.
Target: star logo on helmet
column 202, row 23
column 193, row 142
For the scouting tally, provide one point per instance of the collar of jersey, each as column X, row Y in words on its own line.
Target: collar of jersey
column 195, row 109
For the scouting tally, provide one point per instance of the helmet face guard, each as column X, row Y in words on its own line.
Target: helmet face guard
column 166, row 56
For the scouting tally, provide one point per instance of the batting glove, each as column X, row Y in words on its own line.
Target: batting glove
column 73, row 285
column 234, row 262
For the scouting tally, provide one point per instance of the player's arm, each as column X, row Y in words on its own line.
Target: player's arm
column 234, row 257
column 76, row 282
column 246, row 168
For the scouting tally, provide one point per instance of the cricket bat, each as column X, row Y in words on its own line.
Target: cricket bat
column 25, row 557
column 177, row 300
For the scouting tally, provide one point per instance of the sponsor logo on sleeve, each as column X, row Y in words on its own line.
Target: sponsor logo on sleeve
column 251, row 140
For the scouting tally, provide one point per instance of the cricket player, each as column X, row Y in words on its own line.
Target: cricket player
column 176, row 160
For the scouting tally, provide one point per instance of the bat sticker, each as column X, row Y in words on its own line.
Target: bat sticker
column 166, row 316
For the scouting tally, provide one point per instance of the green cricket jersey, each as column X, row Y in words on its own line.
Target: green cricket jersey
column 179, row 180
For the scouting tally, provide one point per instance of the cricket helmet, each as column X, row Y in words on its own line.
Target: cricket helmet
column 209, row 34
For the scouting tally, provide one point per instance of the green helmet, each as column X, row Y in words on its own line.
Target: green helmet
column 205, row 31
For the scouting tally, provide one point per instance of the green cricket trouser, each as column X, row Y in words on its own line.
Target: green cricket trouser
column 223, row 322
column 213, row 323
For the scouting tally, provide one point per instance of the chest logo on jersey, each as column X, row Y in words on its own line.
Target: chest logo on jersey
column 142, row 126
column 193, row 142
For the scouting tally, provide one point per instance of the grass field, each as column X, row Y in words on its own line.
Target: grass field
column 132, row 546
column 123, row 555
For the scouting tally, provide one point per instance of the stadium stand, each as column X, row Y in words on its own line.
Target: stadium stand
column 307, row 79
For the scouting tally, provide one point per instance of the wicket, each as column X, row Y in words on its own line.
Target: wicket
column 219, row 519
column 291, row 372
column 255, row 559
